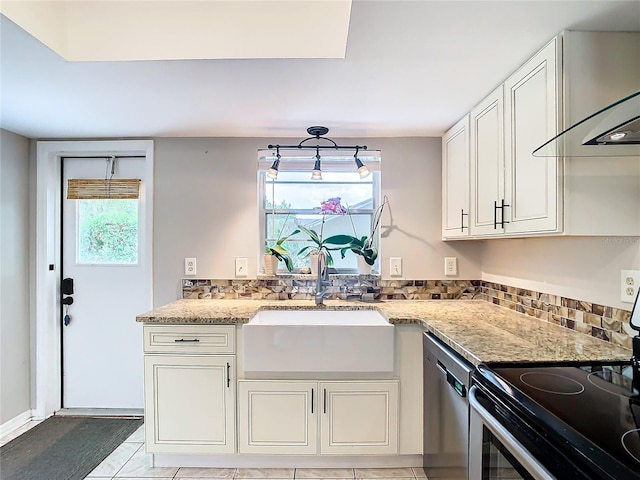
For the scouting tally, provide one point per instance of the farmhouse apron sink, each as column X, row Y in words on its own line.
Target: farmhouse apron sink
column 318, row 341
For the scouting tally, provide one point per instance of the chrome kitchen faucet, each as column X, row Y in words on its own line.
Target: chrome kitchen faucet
column 322, row 279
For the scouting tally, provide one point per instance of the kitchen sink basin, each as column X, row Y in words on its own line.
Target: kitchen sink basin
column 318, row 341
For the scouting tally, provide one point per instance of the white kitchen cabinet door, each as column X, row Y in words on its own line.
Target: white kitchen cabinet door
column 277, row 417
column 359, row 418
column 531, row 118
column 487, row 165
column 189, row 404
column 455, row 180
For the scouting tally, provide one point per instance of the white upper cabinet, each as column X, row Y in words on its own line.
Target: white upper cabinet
column 487, row 165
column 513, row 193
column 455, row 180
column 531, row 183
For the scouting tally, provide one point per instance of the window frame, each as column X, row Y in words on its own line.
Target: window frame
column 330, row 164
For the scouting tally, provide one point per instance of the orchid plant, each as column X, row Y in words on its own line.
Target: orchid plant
column 332, row 206
column 279, row 251
column 363, row 246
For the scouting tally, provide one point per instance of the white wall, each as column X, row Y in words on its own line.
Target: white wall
column 15, row 369
column 206, row 207
column 583, row 268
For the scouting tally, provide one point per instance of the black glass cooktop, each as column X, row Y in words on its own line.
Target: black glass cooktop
column 595, row 402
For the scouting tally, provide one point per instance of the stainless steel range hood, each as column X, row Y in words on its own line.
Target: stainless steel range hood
column 613, row 131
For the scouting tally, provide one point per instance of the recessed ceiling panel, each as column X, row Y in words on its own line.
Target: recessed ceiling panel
column 175, row 30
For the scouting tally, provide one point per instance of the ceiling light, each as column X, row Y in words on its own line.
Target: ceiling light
column 316, row 174
column 362, row 169
column 273, row 171
column 317, row 133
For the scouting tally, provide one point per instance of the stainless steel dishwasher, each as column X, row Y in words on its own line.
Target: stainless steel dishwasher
column 447, row 378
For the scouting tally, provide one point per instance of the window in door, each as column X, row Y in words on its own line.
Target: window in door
column 107, row 231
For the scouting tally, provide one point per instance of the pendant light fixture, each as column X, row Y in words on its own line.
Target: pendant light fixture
column 316, row 174
column 362, row 169
column 273, row 171
column 317, row 133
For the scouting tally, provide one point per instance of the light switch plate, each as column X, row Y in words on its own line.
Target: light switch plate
column 241, row 267
column 395, row 266
column 190, row 266
column 450, row 266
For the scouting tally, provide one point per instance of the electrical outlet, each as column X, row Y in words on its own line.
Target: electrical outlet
column 450, row 266
column 189, row 266
column 241, row 267
column 629, row 285
column 395, row 266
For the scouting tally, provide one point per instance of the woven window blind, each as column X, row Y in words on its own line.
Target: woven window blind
column 100, row 188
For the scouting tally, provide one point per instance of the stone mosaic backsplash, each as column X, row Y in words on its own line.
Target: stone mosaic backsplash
column 600, row 321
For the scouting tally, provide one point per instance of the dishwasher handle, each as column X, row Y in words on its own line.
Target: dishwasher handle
column 459, row 387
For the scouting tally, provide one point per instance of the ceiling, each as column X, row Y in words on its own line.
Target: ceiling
column 411, row 68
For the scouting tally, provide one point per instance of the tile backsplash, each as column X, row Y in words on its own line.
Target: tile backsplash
column 600, row 321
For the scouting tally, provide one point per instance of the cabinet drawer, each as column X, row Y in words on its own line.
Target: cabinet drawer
column 197, row 339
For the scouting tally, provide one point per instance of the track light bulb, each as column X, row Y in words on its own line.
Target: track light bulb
column 362, row 169
column 316, row 174
column 273, row 171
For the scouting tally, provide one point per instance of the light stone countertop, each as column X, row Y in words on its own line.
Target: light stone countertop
column 478, row 330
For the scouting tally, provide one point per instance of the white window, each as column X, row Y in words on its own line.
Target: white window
column 293, row 200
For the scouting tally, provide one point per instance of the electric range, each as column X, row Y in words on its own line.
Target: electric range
column 576, row 421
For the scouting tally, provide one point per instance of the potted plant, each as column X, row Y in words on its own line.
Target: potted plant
column 277, row 253
column 363, row 246
column 331, row 206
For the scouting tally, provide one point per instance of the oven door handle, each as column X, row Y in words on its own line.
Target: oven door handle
column 508, row 440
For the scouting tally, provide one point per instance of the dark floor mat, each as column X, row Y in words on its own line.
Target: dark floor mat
column 64, row 448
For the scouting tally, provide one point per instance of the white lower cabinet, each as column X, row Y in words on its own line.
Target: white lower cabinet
column 189, row 388
column 311, row 417
column 277, row 417
column 359, row 418
column 189, row 404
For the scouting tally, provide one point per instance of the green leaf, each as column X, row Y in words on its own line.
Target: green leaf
column 338, row 239
column 289, row 263
column 304, row 249
column 279, row 249
column 312, row 234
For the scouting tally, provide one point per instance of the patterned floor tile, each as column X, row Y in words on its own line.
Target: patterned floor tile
column 332, row 473
column 139, row 466
column 116, row 460
column 387, row 473
column 262, row 473
column 186, row 473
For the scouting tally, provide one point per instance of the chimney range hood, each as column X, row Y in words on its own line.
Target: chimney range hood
column 613, row 131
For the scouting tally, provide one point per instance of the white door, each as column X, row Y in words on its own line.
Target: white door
column 102, row 364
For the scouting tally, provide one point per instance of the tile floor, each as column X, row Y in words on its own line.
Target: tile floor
column 130, row 462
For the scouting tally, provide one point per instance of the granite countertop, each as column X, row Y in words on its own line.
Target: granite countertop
column 478, row 330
